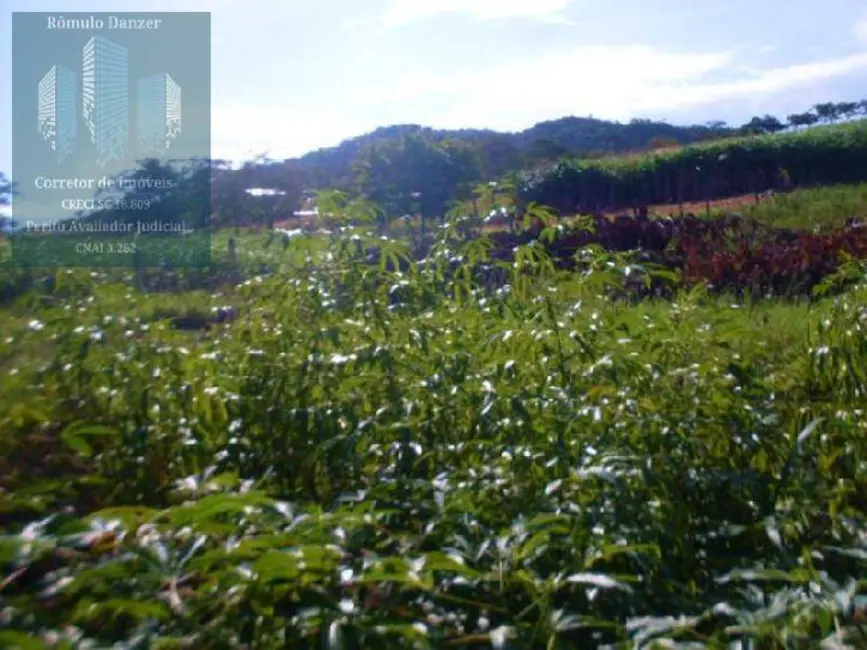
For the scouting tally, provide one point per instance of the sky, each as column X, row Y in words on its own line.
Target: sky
column 290, row 76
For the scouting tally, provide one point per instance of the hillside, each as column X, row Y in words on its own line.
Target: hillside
column 392, row 164
column 824, row 155
column 502, row 152
column 568, row 163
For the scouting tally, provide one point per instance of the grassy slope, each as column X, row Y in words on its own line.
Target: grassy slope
column 822, row 207
column 825, row 207
column 637, row 157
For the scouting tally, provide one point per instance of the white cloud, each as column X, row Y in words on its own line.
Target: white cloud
column 582, row 75
column 773, row 81
column 244, row 131
column 402, row 12
column 609, row 82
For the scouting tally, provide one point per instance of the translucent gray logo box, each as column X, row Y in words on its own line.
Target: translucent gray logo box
column 111, row 139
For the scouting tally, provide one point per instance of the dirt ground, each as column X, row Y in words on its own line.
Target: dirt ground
column 672, row 209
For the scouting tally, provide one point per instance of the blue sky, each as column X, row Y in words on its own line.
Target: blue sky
column 291, row 76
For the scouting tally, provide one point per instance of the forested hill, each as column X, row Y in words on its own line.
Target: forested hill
column 502, row 152
column 392, row 165
column 413, row 169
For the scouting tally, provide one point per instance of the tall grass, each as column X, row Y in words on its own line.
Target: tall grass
column 823, row 207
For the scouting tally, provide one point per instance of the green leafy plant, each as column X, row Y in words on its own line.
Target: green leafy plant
column 381, row 450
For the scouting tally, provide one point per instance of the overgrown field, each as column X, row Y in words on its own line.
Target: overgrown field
column 732, row 167
column 358, row 457
column 815, row 208
column 802, row 243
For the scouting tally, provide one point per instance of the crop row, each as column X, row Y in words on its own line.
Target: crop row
column 825, row 155
column 729, row 253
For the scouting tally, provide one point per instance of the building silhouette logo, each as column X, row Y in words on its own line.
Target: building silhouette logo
column 159, row 112
column 57, row 108
column 105, row 97
column 105, row 105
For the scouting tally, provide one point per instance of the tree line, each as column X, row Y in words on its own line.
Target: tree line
column 824, row 113
column 824, row 155
column 414, row 170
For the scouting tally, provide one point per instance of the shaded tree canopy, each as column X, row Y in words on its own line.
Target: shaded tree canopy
column 765, row 124
column 827, row 111
column 414, row 174
column 803, row 119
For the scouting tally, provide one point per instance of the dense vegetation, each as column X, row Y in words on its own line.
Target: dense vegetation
column 418, row 170
column 728, row 254
column 389, row 162
column 380, row 433
column 410, row 169
column 342, row 446
column 499, row 153
column 819, row 156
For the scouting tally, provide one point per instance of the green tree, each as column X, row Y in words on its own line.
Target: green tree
column 766, row 124
column 846, row 110
column 547, row 149
column 798, row 120
column 763, row 124
column 714, row 130
column 286, row 179
column 416, row 174
column 772, row 125
column 499, row 155
column 827, row 112
column 231, row 203
column 754, row 127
